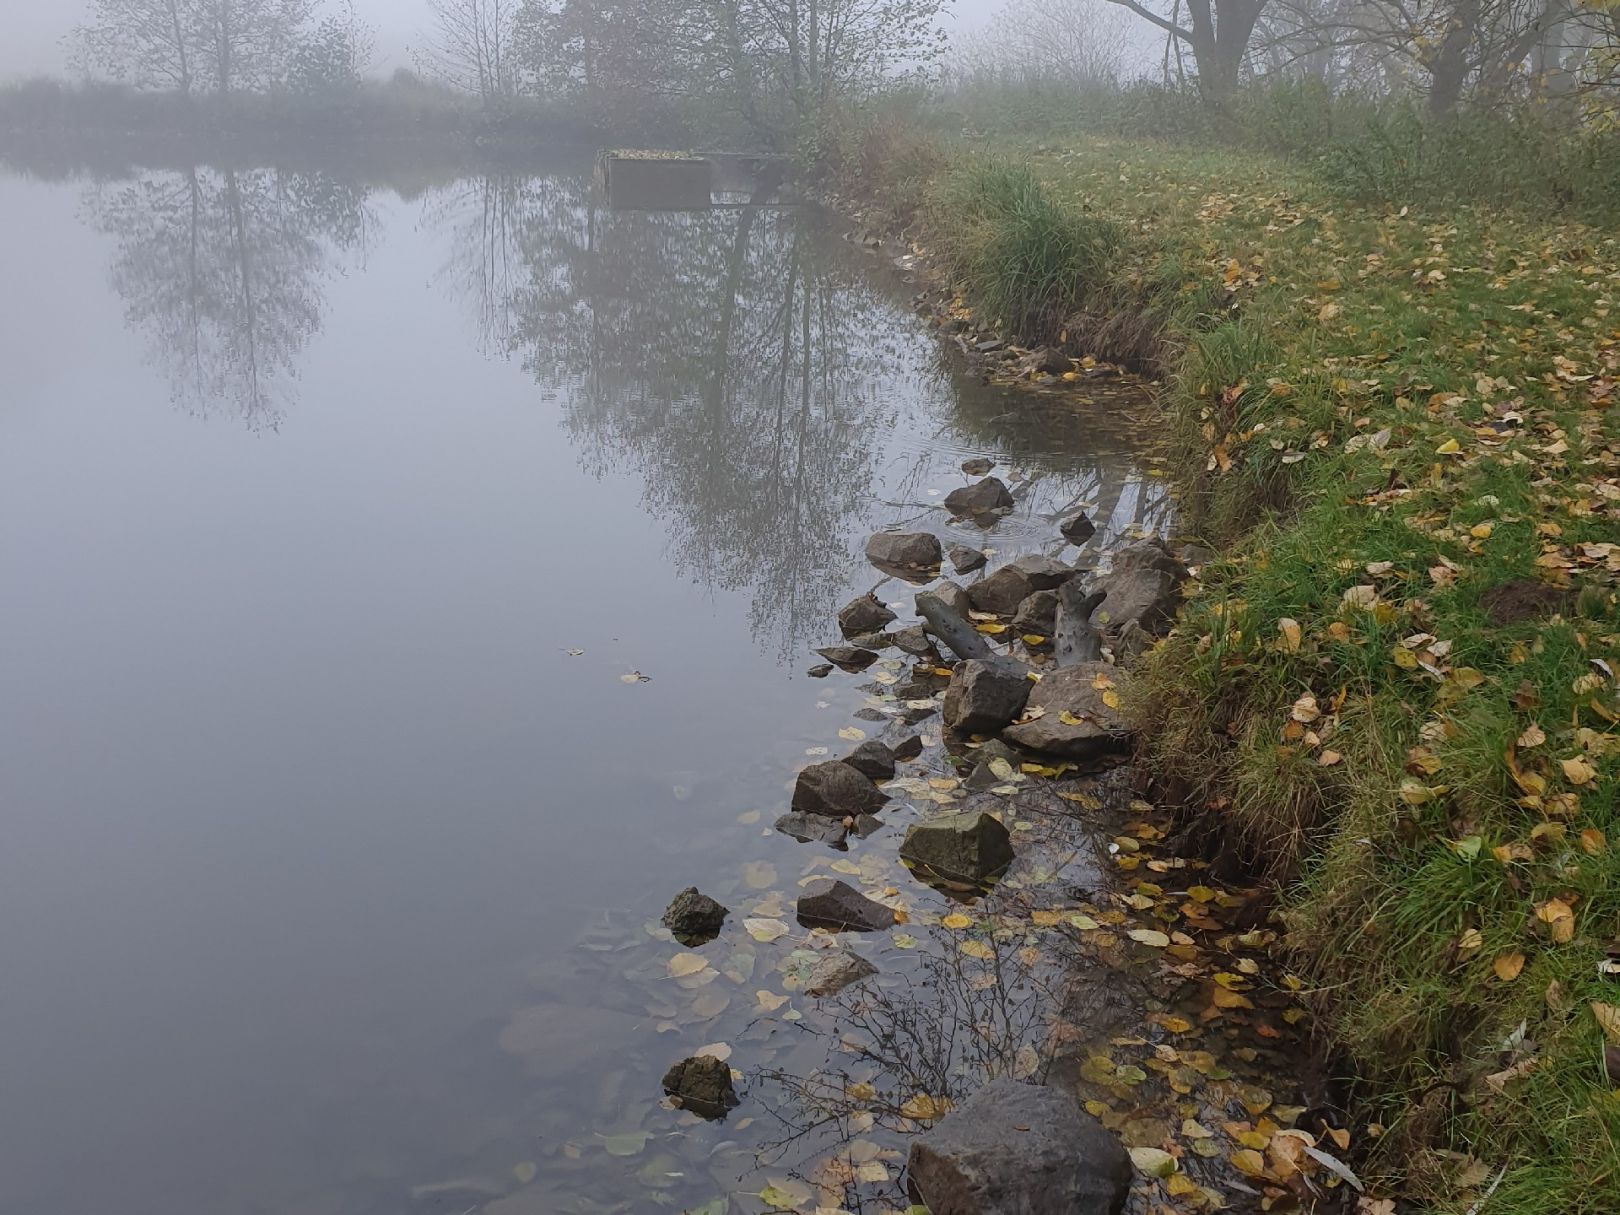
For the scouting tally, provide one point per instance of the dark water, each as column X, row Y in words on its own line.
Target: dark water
column 331, row 872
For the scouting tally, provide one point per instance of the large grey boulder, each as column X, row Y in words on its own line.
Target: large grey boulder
column 1037, row 614
column 1044, row 573
column 863, row 615
column 1066, row 714
column 703, row 1085
column 914, row 556
column 987, row 497
column 983, row 697
column 827, row 903
column 1140, row 596
column 836, row 790
column 837, row 971
column 1002, row 591
column 1019, row 1149
column 966, row 847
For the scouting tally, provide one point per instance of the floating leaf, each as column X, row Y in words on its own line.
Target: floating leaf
column 683, row 964
column 769, row 1000
column 714, row 1050
column 525, row 1172
column 765, row 931
column 759, row 875
column 635, row 677
column 1155, row 1162
column 957, row 921
column 852, row 733
column 923, row 1108
column 627, row 1144
column 977, row 949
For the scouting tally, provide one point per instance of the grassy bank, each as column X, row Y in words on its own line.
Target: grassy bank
column 1394, row 693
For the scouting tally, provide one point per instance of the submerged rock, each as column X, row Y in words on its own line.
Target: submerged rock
column 873, row 760
column 703, row 1085
column 1019, row 1149
column 1067, row 715
column 812, row 827
column 1077, row 529
column 983, row 697
column 820, row 671
column 966, row 847
column 836, row 790
column 915, row 556
column 837, row 971
column 1002, row 591
column 965, row 560
column 987, row 497
column 692, row 915
column 977, row 466
column 863, row 615
column 826, row 903
column 848, row 657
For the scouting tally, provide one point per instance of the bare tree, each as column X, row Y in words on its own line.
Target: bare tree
column 1073, row 43
column 149, row 43
column 470, row 47
column 1216, row 32
column 226, row 45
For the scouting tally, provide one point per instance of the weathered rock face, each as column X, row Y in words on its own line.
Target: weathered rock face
column 1139, row 595
column 812, row 827
column 1044, row 573
column 826, row 903
column 914, row 556
column 983, row 698
column 692, row 915
column 1072, row 692
column 1037, row 614
column 848, row 657
column 1019, row 1149
column 1077, row 529
column 873, row 760
column 836, row 790
column 966, row 559
column 835, row 972
column 703, row 1085
column 987, row 497
column 863, row 615
column 966, row 847
column 1002, row 591
column 953, row 597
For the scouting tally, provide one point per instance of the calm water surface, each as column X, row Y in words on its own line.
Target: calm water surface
column 337, row 520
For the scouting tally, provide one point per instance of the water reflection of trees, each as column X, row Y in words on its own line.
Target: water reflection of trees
column 221, row 271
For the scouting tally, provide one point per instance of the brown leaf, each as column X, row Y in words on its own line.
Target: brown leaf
column 1508, row 966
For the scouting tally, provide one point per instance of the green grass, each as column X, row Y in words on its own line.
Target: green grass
column 1413, row 400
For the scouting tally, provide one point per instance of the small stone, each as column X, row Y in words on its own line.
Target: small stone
column 1048, row 360
column 1002, row 591
column 702, row 1084
column 913, row 640
column 820, row 671
column 1037, row 614
column 953, row 597
column 910, row 749
column 914, row 556
column 837, row 971
column 1077, row 529
column 965, row 560
column 983, row 697
column 692, row 915
column 863, row 615
column 837, row 905
column 966, row 847
column 873, row 760
column 836, row 790
column 977, row 466
column 1044, row 573
column 848, row 657
column 812, row 828
column 987, row 497
column 872, row 641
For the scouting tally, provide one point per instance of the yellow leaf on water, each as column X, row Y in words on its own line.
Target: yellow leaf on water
column 852, row 733
column 759, row 875
column 1221, row 997
column 1250, row 1162
column 715, row 1050
column 683, row 964
column 977, row 949
column 1083, row 922
column 1508, row 966
column 923, row 1108
column 769, row 1000
column 1043, row 918
column 525, row 1172
column 993, row 630
column 765, row 931
column 957, row 921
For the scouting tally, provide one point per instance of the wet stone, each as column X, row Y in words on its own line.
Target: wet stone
column 1019, row 1149
column 836, row 790
column 837, row 971
column 954, row 597
column 812, row 828
column 913, row 640
column 1037, row 614
column 987, row 497
column 820, row 670
column 982, row 698
column 910, row 749
column 826, row 903
column 701, row 1084
column 977, row 466
column 965, row 560
column 1044, row 573
column 967, row 847
column 849, row 658
column 692, row 915
column 1077, row 529
column 1002, row 591
column 863, row 615
column 915, row 556
column 873, row 760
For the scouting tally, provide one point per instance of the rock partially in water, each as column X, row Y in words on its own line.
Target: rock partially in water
column 1044, row 573
column 1037, row 614
column 1139, row 595
column 966, row 847
column 849, row 658
column 703, row 1085
column 863, row 615
column 809, row 828
column 1077, row 529
column 1073, row 719
column 820, row 671
column 1019, row 1149
column 836, row 790
column 837, row 971
column 983, row 697
column 1002, row 591
column 987, row 497
column 977, row 466
column 953, row 597
column 913, row 640
column 965, row 560
column 826, row 903
column 914, row 556
column 693, row 916
column 873, row 760
column 910, row 749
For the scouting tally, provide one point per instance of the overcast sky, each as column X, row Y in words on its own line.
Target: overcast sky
column 31, row 30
